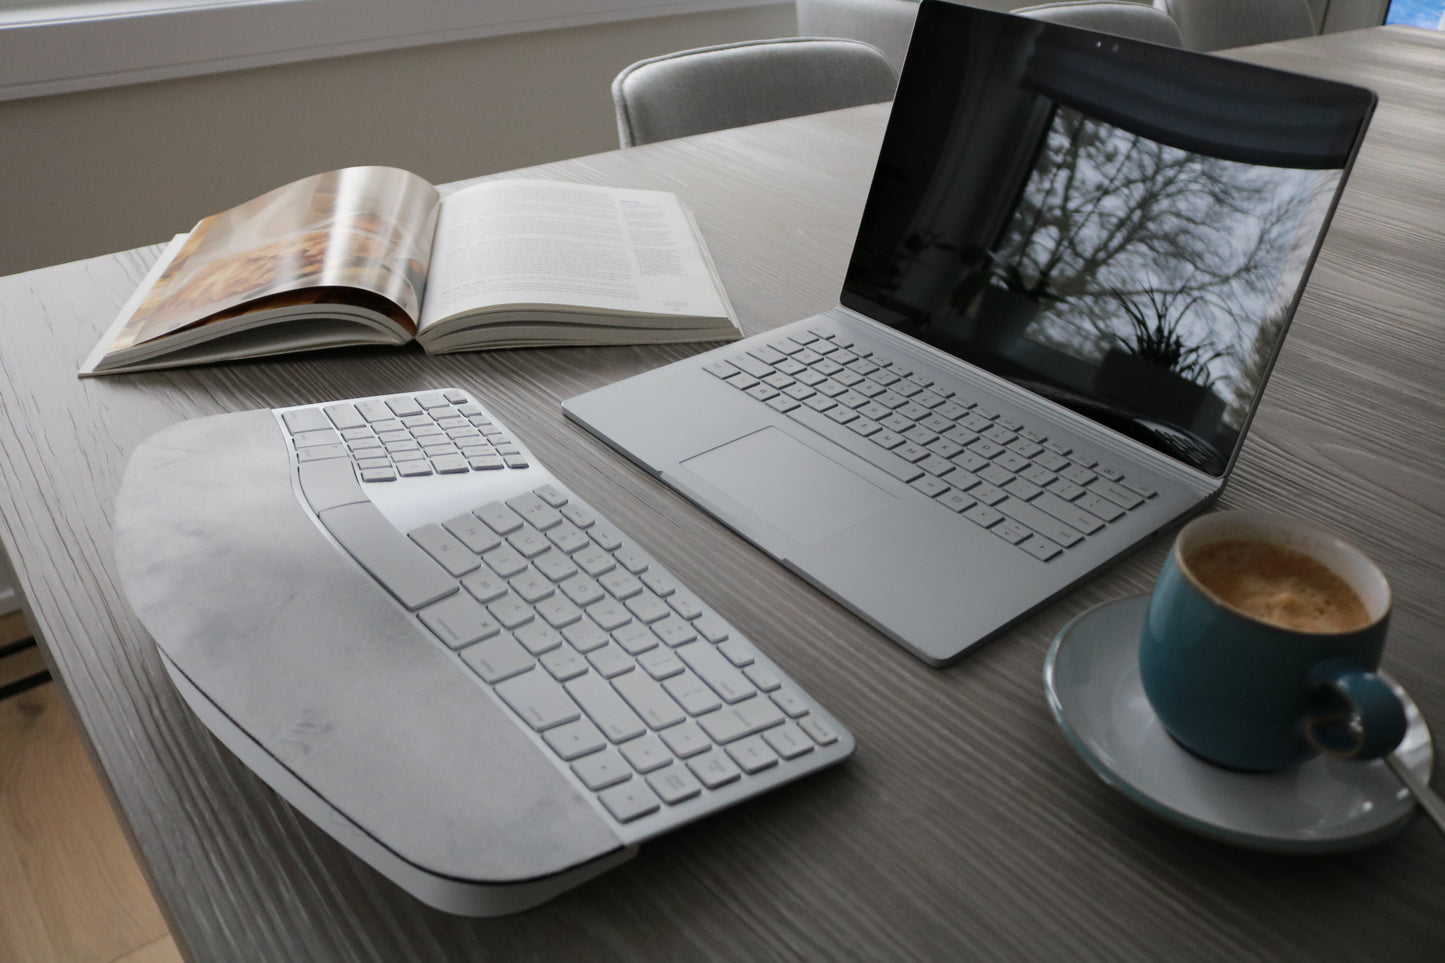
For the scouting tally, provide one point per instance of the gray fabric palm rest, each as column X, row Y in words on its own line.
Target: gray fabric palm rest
column 302, row 667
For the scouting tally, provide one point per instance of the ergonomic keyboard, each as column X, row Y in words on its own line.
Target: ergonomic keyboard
column 649, row 709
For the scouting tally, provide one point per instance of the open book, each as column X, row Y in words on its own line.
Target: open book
column 376, row 255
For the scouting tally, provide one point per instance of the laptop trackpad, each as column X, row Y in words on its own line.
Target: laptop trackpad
column 789, row 485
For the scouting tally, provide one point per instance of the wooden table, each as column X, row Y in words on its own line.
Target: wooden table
column 965, row 826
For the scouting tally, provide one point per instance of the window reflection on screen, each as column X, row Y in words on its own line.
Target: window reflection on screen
column 1120, row 228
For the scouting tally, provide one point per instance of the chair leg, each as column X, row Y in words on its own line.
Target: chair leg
column 29, row 681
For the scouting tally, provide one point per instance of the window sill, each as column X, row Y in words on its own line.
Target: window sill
column 64, row 48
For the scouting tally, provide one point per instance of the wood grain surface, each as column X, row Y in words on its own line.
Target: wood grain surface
column 965, row 826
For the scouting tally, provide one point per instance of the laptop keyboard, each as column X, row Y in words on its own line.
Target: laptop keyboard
column 641, row 693
column 1003, row 476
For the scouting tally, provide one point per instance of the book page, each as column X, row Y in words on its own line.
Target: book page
column 368, row 228
column 516, row 243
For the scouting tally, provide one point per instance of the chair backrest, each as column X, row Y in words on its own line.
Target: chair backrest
column 1217, row 24
column 886, row 24
column 712, row 88
column 1123, row 18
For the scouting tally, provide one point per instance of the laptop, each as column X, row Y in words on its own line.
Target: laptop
column 1075, row 266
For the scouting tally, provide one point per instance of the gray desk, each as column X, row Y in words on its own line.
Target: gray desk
column 965, row 826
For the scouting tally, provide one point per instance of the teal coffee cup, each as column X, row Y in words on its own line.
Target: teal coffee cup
column 1261, row 643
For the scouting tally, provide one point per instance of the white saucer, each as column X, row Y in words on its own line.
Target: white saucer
column 1322, row 805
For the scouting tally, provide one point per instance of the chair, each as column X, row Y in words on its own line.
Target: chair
column 1122, row 18
column 886, row 24
column 712, row 88
column 1217, row 24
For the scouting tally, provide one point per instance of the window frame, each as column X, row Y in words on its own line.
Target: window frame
column 63, row 47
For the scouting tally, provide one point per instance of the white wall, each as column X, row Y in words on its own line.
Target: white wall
column 103, row 170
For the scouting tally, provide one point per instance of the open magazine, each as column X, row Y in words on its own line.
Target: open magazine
column 376, row 255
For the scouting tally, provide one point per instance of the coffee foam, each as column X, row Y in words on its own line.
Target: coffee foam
column 1278, row 585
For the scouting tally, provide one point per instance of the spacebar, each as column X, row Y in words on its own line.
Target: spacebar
column 899, row 468
column 392, row 559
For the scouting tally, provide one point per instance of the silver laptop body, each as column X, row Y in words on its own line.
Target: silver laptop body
column 1075, row 267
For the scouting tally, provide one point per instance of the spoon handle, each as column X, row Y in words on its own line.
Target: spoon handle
column 1433, row 805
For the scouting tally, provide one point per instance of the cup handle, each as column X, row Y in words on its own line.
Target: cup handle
column 1357, row 714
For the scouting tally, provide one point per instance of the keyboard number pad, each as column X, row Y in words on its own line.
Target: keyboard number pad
column 404, row 436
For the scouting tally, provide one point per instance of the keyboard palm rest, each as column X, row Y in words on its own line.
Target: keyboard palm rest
column 488, row 705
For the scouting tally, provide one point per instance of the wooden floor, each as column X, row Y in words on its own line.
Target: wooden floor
column 70, row 890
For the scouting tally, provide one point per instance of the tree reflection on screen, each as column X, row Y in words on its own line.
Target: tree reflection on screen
column 1135, row 241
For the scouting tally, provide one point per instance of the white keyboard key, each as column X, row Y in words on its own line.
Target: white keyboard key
column 559, row 612
column 594, row 561
column 539, row 699
column 602, row 769
column 788, row 741
column 694, row 695
column 724, row 679
column 538, row 513
column 819, row 730
column 752, row 754
column 497, row 658
column 646, row 754
column 470, row 531
column 621, row 583
column 574, row 739
column 674, row 631
column 532, row 586
column 648, row 699
column 661, row 664
column 564, row 664
column 630, row 801
column 647, row 607
column 635, row 638
column 791, row 703
column 661, row 583
column 605, row 707
column 674, row 784
column 744, row 719
column 329, row 484
column 395, row 561
column 585, row 636
column 499, row 518
column 485, row 586
column 714, row 769
column 446, row 548
column 609, row 614
column 610, row 660
column 761, row 676
column 583, row 590
column 305, row 419
column 685, row 604
column 553, row 497
column 688, row 740
column 510, row 611
column 628, row 557
column 459, row 620
column 737, row 653
column 505, row 561
column 537, row 638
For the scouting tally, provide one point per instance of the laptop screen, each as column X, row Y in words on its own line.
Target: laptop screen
column 1120, row 227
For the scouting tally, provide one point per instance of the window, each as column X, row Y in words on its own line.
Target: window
column 49, row 46
column 1417, row 13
